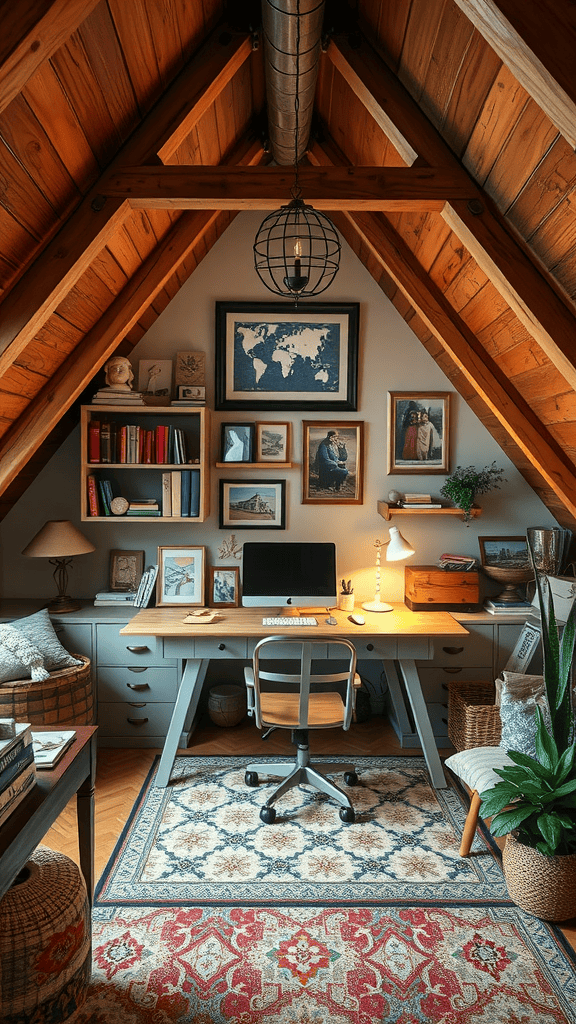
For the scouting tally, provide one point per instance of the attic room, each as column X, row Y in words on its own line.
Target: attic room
column 142, row 145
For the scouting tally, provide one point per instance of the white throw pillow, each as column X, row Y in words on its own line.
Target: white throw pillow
column 19, row 658
column 40, row 631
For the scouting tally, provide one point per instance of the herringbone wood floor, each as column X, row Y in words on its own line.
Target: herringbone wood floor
column 121, row 773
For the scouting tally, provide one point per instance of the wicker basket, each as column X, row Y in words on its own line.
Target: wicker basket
column 473, row 717
column 66, row 698
column 544, row 886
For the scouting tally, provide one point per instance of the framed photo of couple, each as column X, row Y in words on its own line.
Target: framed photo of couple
column 418, row 431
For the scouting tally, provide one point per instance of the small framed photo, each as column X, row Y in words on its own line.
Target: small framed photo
column 155, row 377
column 273, row 442
column 224, row 586
column 126, row 568
column 190, row 393
column 418, row 431
column 253, row 504
column 332, row 463
column 237, row 442
column 190, row 369
column 181, row 576
column 504, row 552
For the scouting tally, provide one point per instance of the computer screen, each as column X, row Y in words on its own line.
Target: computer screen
column 277, row 573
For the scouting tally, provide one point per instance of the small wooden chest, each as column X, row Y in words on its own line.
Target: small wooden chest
column 428, row 588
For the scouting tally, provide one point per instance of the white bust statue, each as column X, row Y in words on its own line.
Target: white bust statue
column 119, row 375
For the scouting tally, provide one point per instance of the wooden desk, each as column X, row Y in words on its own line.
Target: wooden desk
column 396, row 638
column 28, row 824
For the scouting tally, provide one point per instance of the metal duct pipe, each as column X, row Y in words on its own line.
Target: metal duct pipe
column 280, row 30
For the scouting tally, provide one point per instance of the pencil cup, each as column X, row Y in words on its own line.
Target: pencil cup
column 346, row 602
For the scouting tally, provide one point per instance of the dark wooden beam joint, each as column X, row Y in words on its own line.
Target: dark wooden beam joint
column 475, row 206
column 98, row 203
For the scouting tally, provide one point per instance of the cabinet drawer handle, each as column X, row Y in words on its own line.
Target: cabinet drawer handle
column 138, row 650
column 452, row 671
column 137, row 704
column 138, row 686
column 221, row 647
column 369, row 647
column 137, row 668
column 137, row 721
column 452, row 650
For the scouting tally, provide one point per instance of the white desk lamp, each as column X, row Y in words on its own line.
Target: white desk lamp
column 397, row 550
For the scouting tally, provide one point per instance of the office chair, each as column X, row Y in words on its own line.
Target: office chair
column 299, row 709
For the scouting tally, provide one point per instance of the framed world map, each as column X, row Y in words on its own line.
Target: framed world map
column 272, row 355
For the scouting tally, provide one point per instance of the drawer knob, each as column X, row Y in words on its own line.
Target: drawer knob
column 452, row 650
column 369, row 647
column 221, row 647
column 137, row 721
column 138, row 650
column 137, row 668
column 138, row 686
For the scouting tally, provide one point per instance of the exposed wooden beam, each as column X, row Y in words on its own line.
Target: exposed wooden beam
column 38, row 292
column 266, row 188
column 535, row 300
column 537, row 42
column 31, row 33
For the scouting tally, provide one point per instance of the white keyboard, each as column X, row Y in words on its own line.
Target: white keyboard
column 290, row 620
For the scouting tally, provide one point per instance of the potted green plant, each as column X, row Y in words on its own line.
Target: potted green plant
column 534, row 805
column 466, row 482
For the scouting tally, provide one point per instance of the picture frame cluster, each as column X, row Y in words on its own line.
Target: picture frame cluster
column 260, row 442
column 185, row 580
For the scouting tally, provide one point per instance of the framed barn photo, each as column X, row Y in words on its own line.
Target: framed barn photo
column 224, row 586
column 181, row 576
column 273, row 442
column 418, row 431
column 253, row 504
column 332, row 463
column 271, row 355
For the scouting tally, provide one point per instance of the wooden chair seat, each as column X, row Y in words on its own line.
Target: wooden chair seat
column 325, row 710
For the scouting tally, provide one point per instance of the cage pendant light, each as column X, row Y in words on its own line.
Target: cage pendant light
column 297, row 248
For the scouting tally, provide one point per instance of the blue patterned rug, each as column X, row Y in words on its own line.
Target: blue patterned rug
column 200, row 842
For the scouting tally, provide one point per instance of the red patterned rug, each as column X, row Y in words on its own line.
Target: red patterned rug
column 305, row 965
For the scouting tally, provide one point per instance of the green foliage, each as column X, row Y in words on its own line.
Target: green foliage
column 537, row 796
column 465, row 483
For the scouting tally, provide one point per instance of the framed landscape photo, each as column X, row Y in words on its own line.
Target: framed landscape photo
column 237, row 443
column 418, row 431
column 253, row 504
column 332, row 463
column 273, row 442
column 224, row 586
column 504, row 552
column 126, row 568
column 181, row 575
column 272, row 355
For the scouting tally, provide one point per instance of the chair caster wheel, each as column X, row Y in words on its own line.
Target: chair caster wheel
column 347, row 814
column 351, row 778
column 268, row 815
column 251, row 778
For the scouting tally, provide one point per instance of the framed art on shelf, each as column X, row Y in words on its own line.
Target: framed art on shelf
column 504, row 552
column 181, row 575
column 418, row 431
column 190, row 393
column 126, row 568
column 189, row 369
column 273, row 442
column 253, row 504
column 224, row 586
column 270, row 355
column 332, row 463
column 155, row 377
column 237, row 442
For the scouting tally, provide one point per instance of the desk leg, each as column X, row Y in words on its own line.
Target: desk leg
column 85, row 817
column 188, row 696
column 409, row 674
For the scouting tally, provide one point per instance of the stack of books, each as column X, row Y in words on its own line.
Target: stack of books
column 17, row 768
column 457, row 563
column 115, row 598
column 116, row 396
column 144, row 507
column 496, row 607
column 419, row 501
column 49, row 746
column 146, row 588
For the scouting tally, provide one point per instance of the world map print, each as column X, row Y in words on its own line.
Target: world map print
column 286, row 357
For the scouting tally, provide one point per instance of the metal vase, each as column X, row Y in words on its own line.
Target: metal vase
column 548, row 548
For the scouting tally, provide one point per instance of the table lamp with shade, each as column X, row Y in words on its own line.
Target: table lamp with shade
column 59, row 541
column 397, row 550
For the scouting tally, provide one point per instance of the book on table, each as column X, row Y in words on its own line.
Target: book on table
column 16, row 754
column 496, row 607
column 14, row 793
column 50, row 746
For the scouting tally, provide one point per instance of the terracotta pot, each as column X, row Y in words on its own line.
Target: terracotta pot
column 544, row 886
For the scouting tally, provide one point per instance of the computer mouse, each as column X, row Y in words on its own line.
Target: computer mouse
column 358, row 619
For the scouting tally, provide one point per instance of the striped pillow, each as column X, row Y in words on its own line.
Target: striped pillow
column 476, row 766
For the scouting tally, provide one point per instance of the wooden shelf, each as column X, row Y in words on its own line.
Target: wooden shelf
column 254, row 465
column 387, row 511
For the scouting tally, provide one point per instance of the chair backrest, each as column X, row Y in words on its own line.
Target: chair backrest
column 305, row 679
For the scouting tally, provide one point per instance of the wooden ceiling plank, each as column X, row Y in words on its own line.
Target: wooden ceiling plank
column 543, row 61
column 31, row 33
column 262, row 188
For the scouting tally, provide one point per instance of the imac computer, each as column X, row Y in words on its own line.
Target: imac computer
column 298, row 575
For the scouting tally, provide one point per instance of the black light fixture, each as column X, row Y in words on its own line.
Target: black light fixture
column 297, row 248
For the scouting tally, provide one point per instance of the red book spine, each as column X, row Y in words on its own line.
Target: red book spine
column 94, row 441
column 123, row 443
column 140, row 441
column 160, row 442
column 93, row 503
column 166, row 440
column 148, row 446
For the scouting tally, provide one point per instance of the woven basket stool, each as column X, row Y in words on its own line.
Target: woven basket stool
column 66, row 698
column 45, row 941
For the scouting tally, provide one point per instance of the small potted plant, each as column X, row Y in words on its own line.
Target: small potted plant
column 465, row 483
column 346, row 599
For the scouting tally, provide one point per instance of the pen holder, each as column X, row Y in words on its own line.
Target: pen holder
column 346, row 602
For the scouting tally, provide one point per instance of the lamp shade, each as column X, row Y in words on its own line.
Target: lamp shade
column 58, row 538
column 398, row 548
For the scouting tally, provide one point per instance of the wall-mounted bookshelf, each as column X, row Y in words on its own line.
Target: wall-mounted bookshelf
column 387, row 511
column 156, row 458
column 254, row 465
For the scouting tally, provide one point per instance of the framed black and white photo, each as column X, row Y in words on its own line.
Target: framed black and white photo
column 273, row 442
column 237, row 443
column 126, row 568
column 418, row 431
column 272, row 355
column 224, row 586
column 181, row 575
column 332, row 463
column 253, row 504
column 155, row 377
column 191, row 393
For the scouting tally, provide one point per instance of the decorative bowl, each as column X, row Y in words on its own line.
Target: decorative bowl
column 511, row 578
